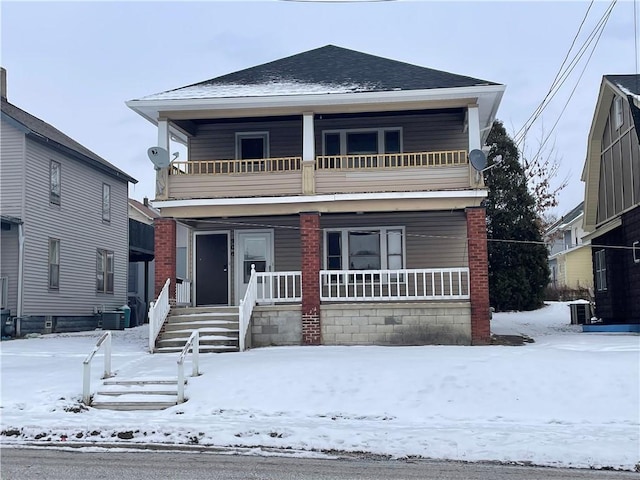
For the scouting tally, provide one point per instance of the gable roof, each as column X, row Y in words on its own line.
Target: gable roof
column 328, row 69
column 566, row 219
column 147, row 211
column 611, row 85
column 50, row 136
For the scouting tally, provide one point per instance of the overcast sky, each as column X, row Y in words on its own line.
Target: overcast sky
column 75, row 64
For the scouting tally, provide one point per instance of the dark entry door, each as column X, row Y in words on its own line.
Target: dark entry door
column 212, row 277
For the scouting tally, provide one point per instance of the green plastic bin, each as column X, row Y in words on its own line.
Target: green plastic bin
column 127, row 315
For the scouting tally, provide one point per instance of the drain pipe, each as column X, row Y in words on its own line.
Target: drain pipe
column 20, row 275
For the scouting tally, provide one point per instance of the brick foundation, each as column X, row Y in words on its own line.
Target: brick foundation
column 478, row 275
column 165, row 255
column 310, row 245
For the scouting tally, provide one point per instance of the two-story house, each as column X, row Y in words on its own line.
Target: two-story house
column 343, row 179
column 569, row 256
column 612, row 199
column 64, row 227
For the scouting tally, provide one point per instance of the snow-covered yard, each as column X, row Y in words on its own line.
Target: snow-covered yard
column 569, row 399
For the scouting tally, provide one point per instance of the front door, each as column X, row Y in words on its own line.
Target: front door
column 212, row 269
column 254, row 247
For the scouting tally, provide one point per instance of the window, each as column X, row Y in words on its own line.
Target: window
column 54, row 182
column 106, row 202
column 601, row 270
column 380, row 248
column 54, row 263
column 362, row 142
column 618, row 113
column 252, row 145
column 104, row 271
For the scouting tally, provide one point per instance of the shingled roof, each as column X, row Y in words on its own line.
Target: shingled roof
column 328, row 69
column 46, row 134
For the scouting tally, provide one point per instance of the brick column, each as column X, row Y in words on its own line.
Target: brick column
column 478, row 275
column 165, row 254
column 310, row 244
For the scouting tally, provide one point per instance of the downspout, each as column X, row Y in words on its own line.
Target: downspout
column 20, row 273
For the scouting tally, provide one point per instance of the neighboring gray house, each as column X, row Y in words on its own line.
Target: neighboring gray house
column 64, row 222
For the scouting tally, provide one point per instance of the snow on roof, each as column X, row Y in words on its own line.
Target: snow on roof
column 275, row 87
column 626, row 91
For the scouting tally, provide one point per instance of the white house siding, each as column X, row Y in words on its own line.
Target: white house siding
column 12, row 151
column 77, row 222
column 9, row 264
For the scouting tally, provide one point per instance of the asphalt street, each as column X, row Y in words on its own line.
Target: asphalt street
column 75, row 464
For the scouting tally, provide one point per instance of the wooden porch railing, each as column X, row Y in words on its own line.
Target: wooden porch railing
column 225, row 167
column 323, row 162
column 392, row 160
column 279, row 287
column 392, row 285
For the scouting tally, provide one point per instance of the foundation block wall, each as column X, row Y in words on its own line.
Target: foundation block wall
column 396, row 324
column 276, row 325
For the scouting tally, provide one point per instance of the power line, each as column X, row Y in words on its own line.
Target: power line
column 558, row 83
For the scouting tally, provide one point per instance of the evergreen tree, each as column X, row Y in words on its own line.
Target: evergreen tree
column 518, row 269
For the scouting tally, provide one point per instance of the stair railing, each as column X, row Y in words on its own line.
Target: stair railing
column 246, row 307
column 192, row 344
column 158, row 312
column 105, row 340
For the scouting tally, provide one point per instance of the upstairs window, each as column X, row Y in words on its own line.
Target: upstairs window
column 618, row 113
column 104, row 271
column 54, row 182
column 362, row 142
column 54, row 263
column 106, row 202
column 252, row 145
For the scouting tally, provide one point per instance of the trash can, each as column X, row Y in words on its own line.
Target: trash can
column 6, row 323
column 580, row 312
column 113, row 320
column 127, row 315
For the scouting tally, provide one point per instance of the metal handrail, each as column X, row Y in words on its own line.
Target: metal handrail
column 86, row 365
column 194, row 343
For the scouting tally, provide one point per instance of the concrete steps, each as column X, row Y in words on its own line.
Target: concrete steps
column 218, row 327
column 136, row 394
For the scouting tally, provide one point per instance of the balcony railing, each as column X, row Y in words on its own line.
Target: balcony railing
column 323, row 162
column 392, row 160
column 228, row 167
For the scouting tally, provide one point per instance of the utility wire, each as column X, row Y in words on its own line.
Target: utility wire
column 575, row 37
column 596, row 32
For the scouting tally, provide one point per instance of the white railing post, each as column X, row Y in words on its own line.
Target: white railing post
column 158, row 312
column 246, row 308
column 194, row 343
column 86, row 365
column 241, row 325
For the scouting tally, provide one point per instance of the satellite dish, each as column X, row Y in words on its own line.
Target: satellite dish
column 477, row 159
column 158, row 156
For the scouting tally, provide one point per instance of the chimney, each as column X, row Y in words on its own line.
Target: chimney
column 145, row 201
column 3, row 83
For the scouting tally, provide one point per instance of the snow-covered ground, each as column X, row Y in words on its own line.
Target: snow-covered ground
column 569, row 399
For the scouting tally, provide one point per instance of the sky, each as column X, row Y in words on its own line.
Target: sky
column 75, row 64
column 570, row 399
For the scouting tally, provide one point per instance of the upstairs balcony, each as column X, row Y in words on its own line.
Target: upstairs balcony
column 327, row 174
